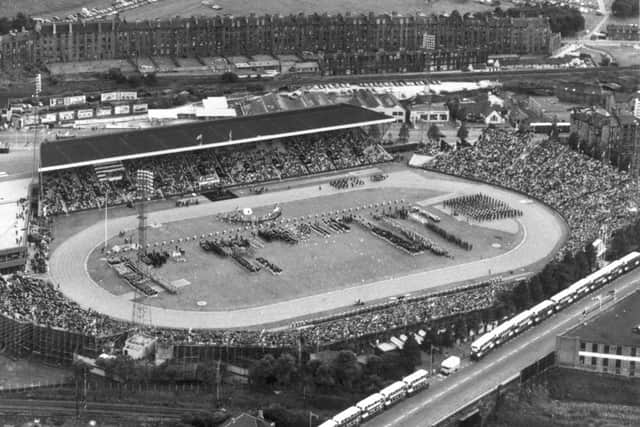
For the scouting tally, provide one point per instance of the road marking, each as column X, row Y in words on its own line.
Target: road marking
column 578, row 315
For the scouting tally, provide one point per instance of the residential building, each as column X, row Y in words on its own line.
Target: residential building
column 275, row 35
column 429, row 113
column 623, row 32
column 610, row 136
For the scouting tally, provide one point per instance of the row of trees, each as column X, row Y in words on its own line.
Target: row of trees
column 17, row 23
column 564, row 20
column 556, row 276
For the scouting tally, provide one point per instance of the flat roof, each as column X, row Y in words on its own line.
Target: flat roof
column 614, row 325
column 77, row 152
column 12, row 191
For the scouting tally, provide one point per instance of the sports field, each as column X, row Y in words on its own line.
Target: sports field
column 320, row 273
column 313, row 266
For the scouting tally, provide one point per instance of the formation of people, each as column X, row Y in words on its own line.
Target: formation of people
column 481, row 207
column 176, row 174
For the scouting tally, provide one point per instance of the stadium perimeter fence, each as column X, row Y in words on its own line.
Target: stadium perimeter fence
column 19, row 338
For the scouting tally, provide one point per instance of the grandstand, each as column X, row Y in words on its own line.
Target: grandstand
column 58, row 155
column 240, row 151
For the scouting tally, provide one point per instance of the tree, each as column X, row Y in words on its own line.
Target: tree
column 411, row 355
column 285, row 369
column 535, row 289
column 324, row 377
column 229, row 77
column 463, row 133
column 574, row 141
column 522, row 296
column 434, row 133
column 347, row 369
column 374, row 365
column 262, row 372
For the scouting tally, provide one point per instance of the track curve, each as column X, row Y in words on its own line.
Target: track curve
column 544, row 232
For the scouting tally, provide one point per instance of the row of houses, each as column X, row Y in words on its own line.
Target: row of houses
column 270, row 34
column 608, row 134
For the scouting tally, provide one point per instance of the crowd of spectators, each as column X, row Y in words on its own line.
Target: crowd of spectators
column 36, row 300
column 587, row 192
column 176, row 174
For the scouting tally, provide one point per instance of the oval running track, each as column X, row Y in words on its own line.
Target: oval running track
column 544, row 232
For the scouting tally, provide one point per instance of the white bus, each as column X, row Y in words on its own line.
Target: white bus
column 416, row 381
column 329, row 423
column 563, row 298
column 482, row 345
column 542, row 310
column 521, row 322
column 394, row 392
column 371, row 405
column 348, row 418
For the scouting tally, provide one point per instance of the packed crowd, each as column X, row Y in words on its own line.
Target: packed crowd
column 587, row 192
column 481, row 207
column 38, row 301
column 175, row 174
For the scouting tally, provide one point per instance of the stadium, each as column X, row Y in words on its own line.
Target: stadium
column 283, row 230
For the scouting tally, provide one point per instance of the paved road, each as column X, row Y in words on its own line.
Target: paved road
column 543, row 229
column 446, row 397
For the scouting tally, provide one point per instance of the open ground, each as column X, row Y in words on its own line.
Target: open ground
column 316, row 265
column 542, row 232
column 184, row 8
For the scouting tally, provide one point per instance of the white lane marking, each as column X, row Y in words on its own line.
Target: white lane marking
column 527, row 343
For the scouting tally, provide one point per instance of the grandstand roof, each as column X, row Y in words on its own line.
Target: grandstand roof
column 107, row 148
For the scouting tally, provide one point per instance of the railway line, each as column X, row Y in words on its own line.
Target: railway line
column 45, row 407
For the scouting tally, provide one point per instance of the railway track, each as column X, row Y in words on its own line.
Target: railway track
column 41, row 407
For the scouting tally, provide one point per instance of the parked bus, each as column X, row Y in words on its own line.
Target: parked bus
column 394, row 392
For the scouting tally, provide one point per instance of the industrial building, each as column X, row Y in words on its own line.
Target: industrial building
column 608, row 343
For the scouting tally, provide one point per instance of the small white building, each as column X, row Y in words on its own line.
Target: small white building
column 139, row 346
column 430, row 113
column 494, row 118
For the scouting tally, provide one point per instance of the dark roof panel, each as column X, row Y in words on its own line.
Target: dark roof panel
column 140, row 143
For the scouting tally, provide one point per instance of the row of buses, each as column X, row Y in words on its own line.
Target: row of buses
column 541, row 311
column 378, row 402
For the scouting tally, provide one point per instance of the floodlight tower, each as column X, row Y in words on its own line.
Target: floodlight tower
column 144, row 186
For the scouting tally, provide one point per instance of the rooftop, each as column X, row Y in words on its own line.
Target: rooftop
column 10, row 192
column 77, row 152
column 613, row 325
